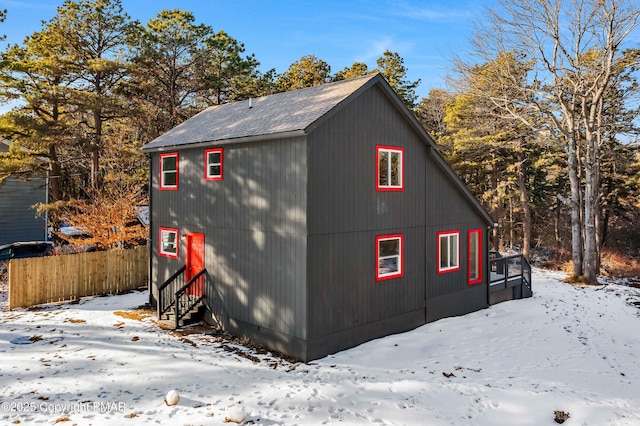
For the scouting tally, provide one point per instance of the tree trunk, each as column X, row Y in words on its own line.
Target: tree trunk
column 556, row 226
column 55, row 174
column 495, row 206
column 511, row 224
column 95, row 165
column 95, row 149
column 576, row 223
column 524, row 205
column 591, row 208
column 601, row 227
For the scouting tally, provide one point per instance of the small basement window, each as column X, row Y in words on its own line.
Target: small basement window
column 213, row 164
column 389, row 256
column 169, row 171
column 448, row 251
column 475, row 256
column 169, row 242
column 390, row 172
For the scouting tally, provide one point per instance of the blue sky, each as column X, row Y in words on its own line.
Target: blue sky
column 341, row 32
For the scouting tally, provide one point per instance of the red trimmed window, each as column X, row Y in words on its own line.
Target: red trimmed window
column 448, row 251
column 169, row 171
column 213, row 164
column 168, row 242
column 390, row 170
column 475, row 256
column 389, row 255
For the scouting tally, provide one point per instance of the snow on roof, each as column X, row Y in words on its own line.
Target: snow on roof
column 143, row 215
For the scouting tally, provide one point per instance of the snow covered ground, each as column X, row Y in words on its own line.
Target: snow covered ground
column 569, row 349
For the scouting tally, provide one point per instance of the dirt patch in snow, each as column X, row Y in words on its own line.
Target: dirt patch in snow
column 205, row 334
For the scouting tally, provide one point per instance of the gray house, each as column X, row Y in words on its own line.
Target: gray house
column 18, row 221
column 314, row 220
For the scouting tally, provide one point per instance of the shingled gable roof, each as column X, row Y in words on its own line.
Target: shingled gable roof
column 282, row 114
column 288, row 114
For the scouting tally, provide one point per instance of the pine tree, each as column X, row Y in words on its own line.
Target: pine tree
column 308, row 71
column 392, row 68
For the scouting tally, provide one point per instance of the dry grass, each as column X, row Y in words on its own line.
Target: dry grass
column 619, row 265
column 613, row 264
column 137, row 314
column 554, row 259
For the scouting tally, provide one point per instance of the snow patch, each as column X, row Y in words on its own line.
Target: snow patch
column 568, row 349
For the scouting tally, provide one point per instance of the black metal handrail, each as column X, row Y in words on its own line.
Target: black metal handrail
column 521, row 270
column 165, row 298
column 184, row 302
column 173, row 294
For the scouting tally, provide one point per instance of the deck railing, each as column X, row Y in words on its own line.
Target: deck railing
column 181, row 296
column 168, row 289
column 511, row 271
column 189, row 296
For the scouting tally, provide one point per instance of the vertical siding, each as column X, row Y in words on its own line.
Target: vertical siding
column 346, row 213
column 163, row 213
column 254, row 222
column 342, row 192
column 18, row 221
column 448, row 211
column 290, row 232
column 346, row 294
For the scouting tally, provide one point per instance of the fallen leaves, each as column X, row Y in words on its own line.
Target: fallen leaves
column 561, row 416
column 137, row 314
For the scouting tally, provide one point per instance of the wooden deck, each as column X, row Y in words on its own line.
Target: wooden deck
column 510, row 278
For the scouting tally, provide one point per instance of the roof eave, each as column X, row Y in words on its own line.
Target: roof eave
column 244, row 139
column 40, row 158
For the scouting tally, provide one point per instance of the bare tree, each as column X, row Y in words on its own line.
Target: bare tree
column 432, row 110
column 575, row 48
column 478, row 116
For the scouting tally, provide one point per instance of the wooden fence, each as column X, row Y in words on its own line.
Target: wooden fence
column 50, row 279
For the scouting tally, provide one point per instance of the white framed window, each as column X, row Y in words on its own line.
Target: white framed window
column 389, row 256
column 390, row 168
column 448, row 251
column 168, row 242
column 213, row 164
column 169, row 171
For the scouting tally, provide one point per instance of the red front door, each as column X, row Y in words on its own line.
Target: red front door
column 195, row 262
